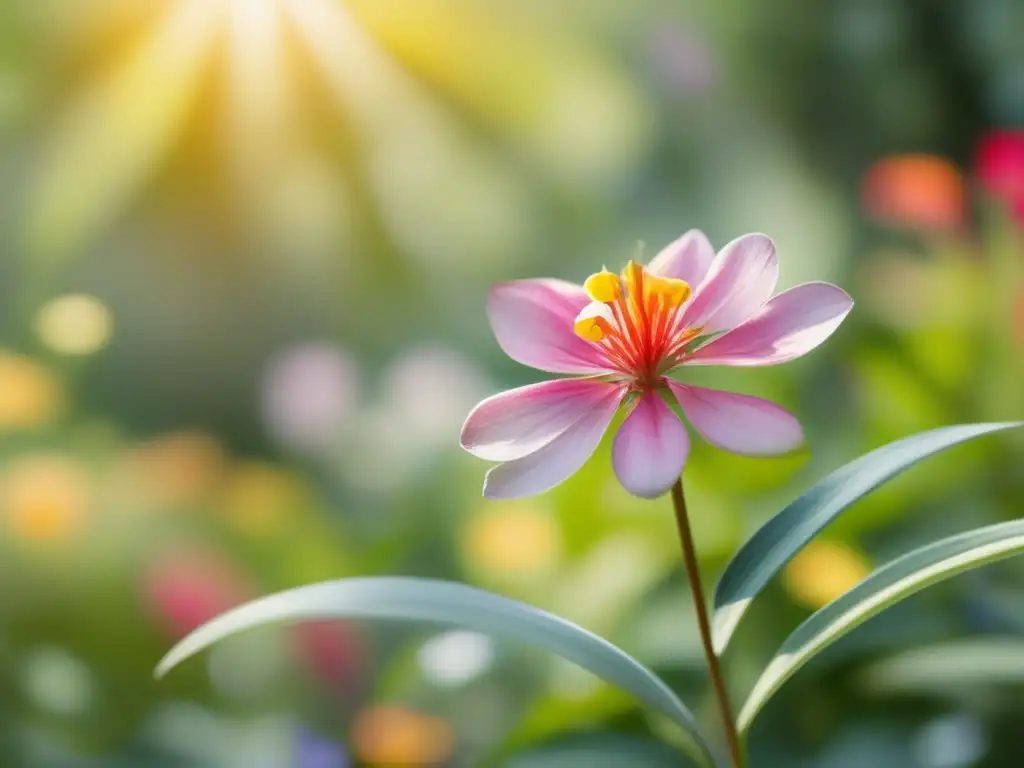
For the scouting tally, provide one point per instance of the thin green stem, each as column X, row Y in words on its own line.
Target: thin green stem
column 732, row 738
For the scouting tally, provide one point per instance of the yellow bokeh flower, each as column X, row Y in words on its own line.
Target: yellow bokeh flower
column 30, row 396
column 258, row 498
column 823, row 571
column 176, row 469
column 513, row 538
column 45, row 497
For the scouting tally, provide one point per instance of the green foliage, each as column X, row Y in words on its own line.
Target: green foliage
column 771, row 547
column 782, row 537
column 422, row 600
column 882, row 589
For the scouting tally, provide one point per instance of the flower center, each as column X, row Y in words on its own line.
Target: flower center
column 635, row 320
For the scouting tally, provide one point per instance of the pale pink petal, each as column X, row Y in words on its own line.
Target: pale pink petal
column 650, row 448
column 739, row 423
column 560, row 458
column 516, row 423
column 741, row 279
column 687, row 258
column 790, row 325
column 533, row 322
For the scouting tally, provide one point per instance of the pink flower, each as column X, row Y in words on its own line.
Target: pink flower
column 999, row 163
column 621, row 337
column 187, row 588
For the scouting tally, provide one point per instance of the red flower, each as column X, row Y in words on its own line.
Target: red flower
column 999, row 164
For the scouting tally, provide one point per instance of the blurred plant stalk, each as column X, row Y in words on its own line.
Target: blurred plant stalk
column 725, row 709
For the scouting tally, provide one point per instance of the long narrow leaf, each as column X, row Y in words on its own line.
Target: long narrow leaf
column 789, row 531
column 883, row 588
column 952, row 668
column 426, row 600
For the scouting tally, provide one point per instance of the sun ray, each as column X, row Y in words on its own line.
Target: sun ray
column 366, row 83
column 118, row 130
column 427, row 171
column 258, row 130
column 553, row 97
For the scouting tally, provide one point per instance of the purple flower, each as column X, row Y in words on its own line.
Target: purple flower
column 309, row 395
column 314, row 751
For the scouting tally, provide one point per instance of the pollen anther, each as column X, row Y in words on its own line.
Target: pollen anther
column 594, row 322
column 672, row 291
column 603, row 286
column 634, row 319
column 592, row 328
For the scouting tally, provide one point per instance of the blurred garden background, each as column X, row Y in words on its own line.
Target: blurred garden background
column 245, row 249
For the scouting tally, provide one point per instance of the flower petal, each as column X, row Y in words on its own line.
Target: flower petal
column 741, row 279
column 687, row 258
column 519, row 422
column 739, row 423
column 650, row 448
column 790, row 325
column 533, row 322
column 547, row 467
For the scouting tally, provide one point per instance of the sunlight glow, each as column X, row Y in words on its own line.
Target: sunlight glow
column 428, row 173
column 257, row 128
column 120, row 128
column 236, row 83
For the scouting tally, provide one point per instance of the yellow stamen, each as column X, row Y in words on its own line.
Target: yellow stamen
column 634, row 276
column 604, row 286
column 671, row 291
column 592, row 328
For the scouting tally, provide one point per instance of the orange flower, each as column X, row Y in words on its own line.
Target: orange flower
column 395, row 736
column 916, row 191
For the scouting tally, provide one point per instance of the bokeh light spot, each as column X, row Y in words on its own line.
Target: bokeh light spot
column 455, row 658
column 75, row 324
column 309, row 395
column 952, row 741
column 179, row 468
column 315, row 751
column 514, row 538
column 823, row 571
column 915, row 191
column 30, row 396
column 45, row 497
column 396, row 736
column 186, row 588
column 258, row 498
column 333, row 653
column 58, row 683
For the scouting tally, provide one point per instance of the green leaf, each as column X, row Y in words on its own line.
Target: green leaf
column 952, row 668
column 789, row 531
column 601, row 751
column 427, row 600
column 883, row 588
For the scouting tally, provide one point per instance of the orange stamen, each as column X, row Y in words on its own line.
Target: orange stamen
column 641, row 330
